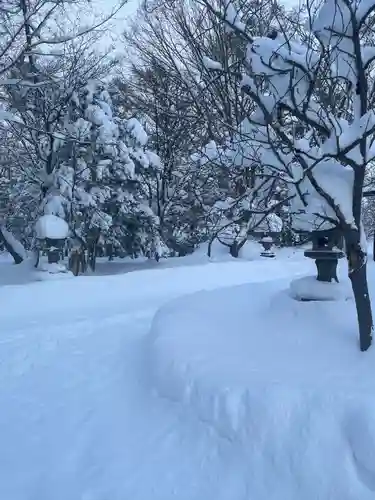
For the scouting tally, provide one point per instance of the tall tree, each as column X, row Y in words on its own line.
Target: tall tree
column 323, row 146
column 33, row 85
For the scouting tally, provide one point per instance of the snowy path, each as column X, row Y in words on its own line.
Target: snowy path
column 77, row 419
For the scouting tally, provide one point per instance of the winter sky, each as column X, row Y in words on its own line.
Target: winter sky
column 106, row 6
column 121, row 20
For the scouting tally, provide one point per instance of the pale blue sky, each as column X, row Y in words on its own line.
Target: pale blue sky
column 118, row 24
column 107, row 5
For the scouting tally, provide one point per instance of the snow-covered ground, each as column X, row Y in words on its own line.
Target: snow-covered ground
column 79, row 419
column 25, row 272
column 284, row 381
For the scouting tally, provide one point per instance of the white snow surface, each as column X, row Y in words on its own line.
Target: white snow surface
column 333, row 179
column 282, row 381
column 79, row 419
column 45, row 268
column 51, row 226
column 137, row 131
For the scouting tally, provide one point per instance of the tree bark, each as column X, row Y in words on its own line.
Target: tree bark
column 37, row 257
column 74, row 263
column 209, row 249
column 357, row 261
column 92, row 248
column 77, row 261
column 234, row 249
column 363, row 304
column 92, row 258
column 9, row 248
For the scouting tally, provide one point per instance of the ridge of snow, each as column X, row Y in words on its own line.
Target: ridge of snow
column 282, row 379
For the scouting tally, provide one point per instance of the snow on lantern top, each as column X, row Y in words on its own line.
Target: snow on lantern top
column 52, row 227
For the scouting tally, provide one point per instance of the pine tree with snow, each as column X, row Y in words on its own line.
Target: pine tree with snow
column 108, row 156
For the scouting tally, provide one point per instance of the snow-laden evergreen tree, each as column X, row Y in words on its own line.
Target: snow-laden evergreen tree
column 101, row 178
column 314, row 112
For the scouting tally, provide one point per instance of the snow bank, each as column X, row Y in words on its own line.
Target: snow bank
column 16, row 275
column 309, row 288
column 284, row 381
column 80, row 422
column 250, row 251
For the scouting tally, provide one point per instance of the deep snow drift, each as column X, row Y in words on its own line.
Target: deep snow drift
column 309, row 288
column 284, row 381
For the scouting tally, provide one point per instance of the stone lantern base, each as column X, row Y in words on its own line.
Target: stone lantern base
column 308, row 289
column 53, row 255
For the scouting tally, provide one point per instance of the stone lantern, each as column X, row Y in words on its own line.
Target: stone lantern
column 268, row 233
column 267, row 244
column 52, row 232
column 326, row 253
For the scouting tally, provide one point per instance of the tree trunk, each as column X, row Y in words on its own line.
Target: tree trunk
column 358, row 278
column 10, row 248
column 74, row 263
column 92, row 249
column 77, row 261
column 234, row 249
column 357, row 260
column 92, row 258
column 209, row 249
column 37, row 257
